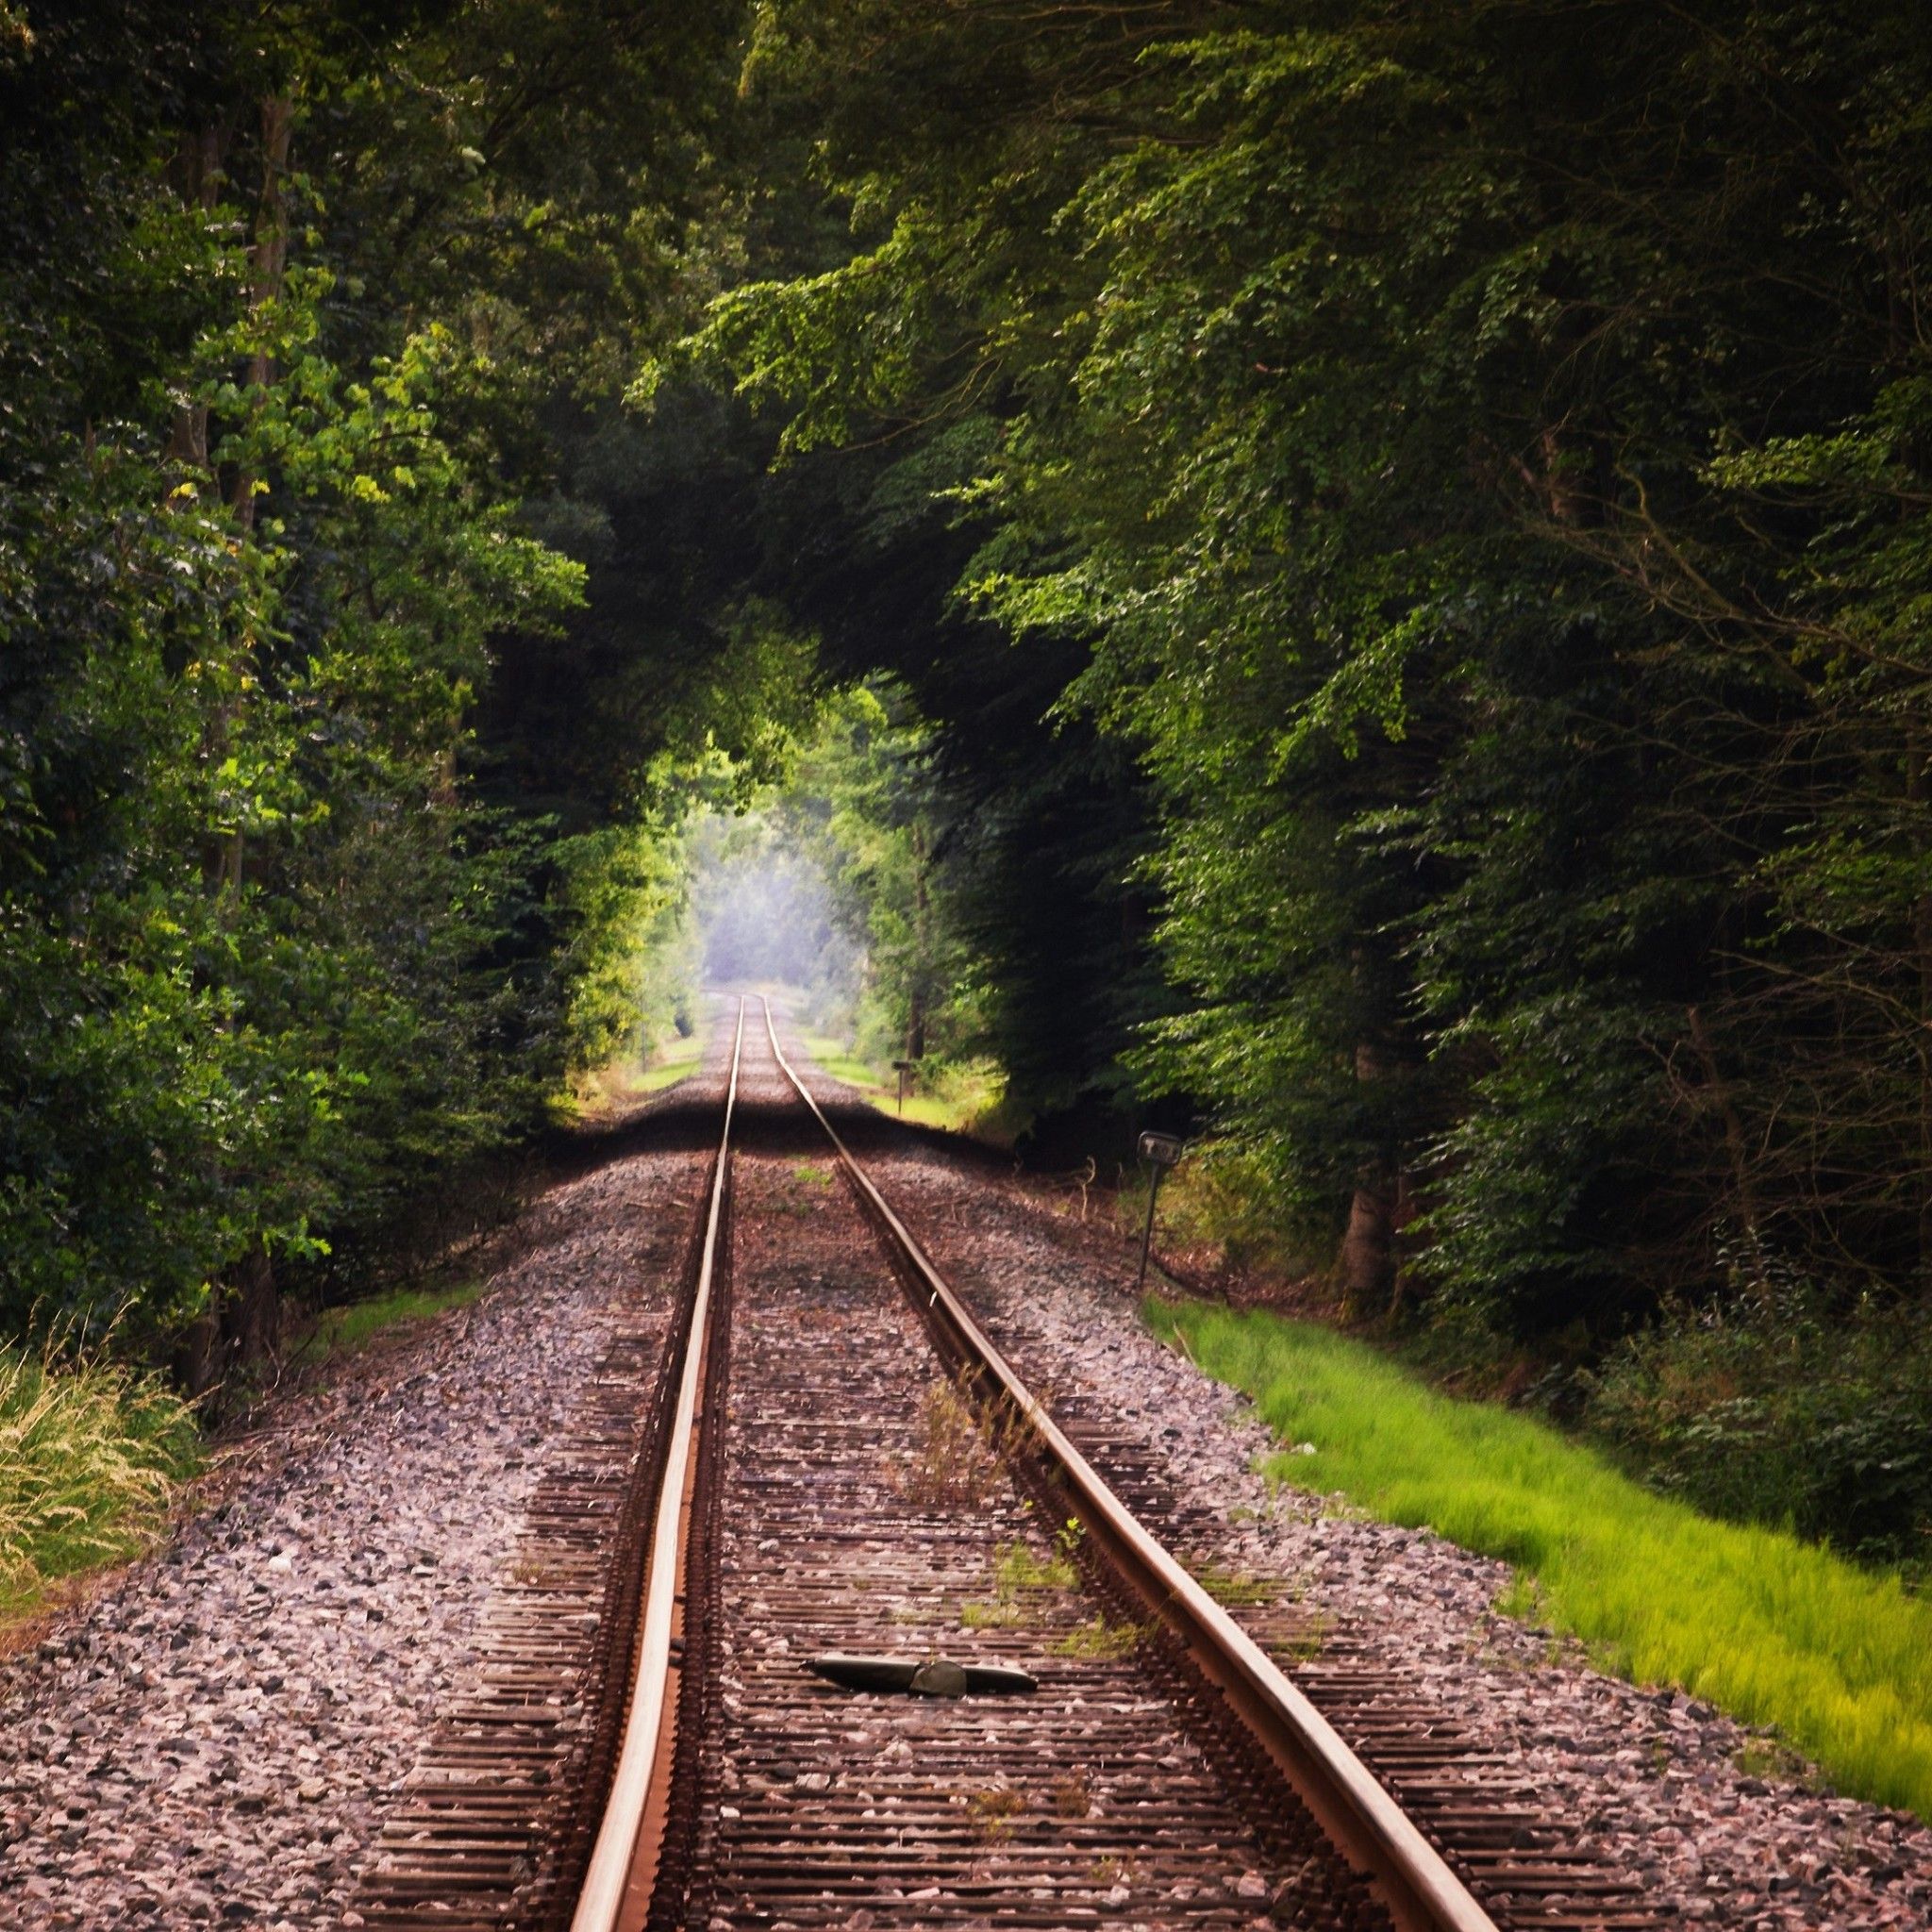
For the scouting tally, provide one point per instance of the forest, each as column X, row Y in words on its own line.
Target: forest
column 1354, row 579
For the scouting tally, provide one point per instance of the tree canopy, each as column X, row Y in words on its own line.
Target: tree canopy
column 1472, row 456
column 1395, row 542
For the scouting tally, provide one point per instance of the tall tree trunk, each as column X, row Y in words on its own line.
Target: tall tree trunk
column 1718, row 1095
column 1368, row 1242
column 197, row 1364
column 245, row 1311
column 254, row 1314
column 224, row 859
column 1918, row 790
column 918, row 992
column 197, row 172
column 1905, row 333
column 268, row 261
column 239, row 1330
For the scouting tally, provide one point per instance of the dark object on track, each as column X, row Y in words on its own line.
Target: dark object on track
column 935, row 1677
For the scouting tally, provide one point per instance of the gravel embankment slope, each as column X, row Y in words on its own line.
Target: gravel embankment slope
column 215, row 1740
column 1649, row 1775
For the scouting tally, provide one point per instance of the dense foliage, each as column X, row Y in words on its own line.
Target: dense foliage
column 1478, row 456
column 285, row 296
column 1396, row 541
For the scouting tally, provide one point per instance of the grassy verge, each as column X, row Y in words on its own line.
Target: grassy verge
column 90, row 1455
column 343, row 1330
column 961, row 1105
column 609, row 1088
column 675, row 1060
column 1779, row 1633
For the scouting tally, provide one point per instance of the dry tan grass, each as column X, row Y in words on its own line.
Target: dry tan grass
column 952, row 1464
column 91, row 1453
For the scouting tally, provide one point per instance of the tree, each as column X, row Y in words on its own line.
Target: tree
column 281, row 310
column 1478, row 450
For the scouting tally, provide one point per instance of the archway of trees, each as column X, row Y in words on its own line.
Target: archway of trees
column 1388, row 550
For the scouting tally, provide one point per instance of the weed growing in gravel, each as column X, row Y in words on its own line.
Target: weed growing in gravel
column 800, row 1192
column 91, row 1454
column 1098, row 1639
column 992, row 1812
column 1000, row 1614
column 1778, row 1633
column 1235, row 1592
column 951, row 1465
column 1308, row 1642
column 1016, row 1569
column 1071, row 1795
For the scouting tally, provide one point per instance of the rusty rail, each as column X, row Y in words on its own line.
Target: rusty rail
column 1408, row 1874
column 623, row 1863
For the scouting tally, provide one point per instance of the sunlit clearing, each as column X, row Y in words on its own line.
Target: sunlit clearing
column 766, row 915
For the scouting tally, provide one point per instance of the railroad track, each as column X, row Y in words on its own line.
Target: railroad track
column 835, row 1456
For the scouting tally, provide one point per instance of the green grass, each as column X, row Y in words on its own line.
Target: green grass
column 1098, row 1639
column 1779, row 1633
column 90, row 1455
column 956, row 1110
column 607, row 1091
column 342, row 1331
column 677, row 1060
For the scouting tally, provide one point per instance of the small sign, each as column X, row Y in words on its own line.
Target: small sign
column 1163, row 1150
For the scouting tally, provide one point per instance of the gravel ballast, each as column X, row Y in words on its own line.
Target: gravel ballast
column 217, row 1737
column 1649, row 1775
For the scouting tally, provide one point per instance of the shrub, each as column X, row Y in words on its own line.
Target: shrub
column 1784, row 1406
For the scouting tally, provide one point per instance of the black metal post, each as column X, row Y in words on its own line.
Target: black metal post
column 1148, row 1232
column 1161, row 1152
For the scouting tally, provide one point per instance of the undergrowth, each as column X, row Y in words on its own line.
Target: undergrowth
column 1784, row 1407
column 1777, row 1631
column 343, row 1330
column 1222, row 1196
column 1018, row 1569
column 951, row 1463
column 961, row 1097
column 1099, row 1640
column 92, row 1452
column 677, row 1060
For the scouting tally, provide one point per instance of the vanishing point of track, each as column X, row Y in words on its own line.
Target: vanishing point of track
column 833, row 1455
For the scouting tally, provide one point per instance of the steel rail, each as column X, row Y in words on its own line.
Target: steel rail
column 1350, row 1805
column 622, row 1859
